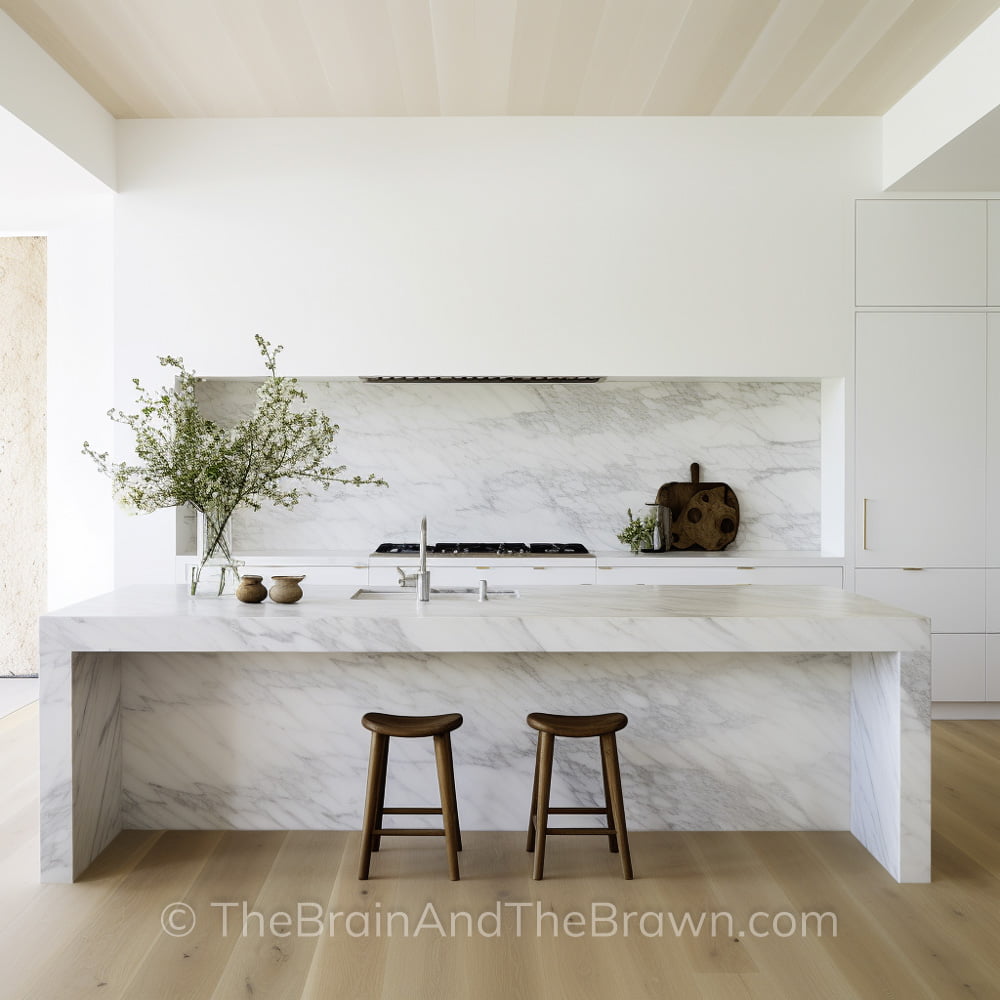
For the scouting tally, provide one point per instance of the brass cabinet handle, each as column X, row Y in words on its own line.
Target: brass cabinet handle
column 913, row 569
column 864, row 526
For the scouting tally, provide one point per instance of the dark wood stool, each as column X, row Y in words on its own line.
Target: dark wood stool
column 577, row 727
column 410, row 726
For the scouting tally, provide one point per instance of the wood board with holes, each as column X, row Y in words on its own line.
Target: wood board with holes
column 703, row 515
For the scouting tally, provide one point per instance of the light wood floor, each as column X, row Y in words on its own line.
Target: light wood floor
column 103, row 936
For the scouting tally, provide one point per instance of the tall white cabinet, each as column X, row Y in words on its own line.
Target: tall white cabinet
column 927, row 425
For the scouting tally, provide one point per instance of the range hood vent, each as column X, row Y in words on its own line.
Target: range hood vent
column 483, row 379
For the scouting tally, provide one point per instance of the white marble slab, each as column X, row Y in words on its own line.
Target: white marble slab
column 546, row 462
column 748, row 709
column 258, row 741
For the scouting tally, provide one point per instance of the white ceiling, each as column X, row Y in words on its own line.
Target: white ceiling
column 260, row 58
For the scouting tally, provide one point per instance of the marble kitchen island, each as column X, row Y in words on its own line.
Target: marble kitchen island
column 751, row 708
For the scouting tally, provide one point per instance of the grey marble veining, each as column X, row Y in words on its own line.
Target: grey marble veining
column 546, row 462
column 752, row 707
column 264, row 741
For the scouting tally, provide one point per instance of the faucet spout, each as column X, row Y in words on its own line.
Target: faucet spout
column 423, row 576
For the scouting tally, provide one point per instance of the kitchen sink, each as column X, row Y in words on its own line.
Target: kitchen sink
column 437, row 593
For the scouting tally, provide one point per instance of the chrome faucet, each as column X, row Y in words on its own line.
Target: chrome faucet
column 423, row 576
column 406, row 579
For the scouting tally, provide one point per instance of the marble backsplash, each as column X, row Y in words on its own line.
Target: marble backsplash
column 523, row 462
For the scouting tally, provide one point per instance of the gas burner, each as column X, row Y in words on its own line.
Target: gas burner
column 558, row 549
column 398, row 548
column 484, row 549
column 480, row 548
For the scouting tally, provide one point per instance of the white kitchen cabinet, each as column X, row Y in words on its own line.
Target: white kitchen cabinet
column 955, row 602
column 993, row 667
column 315, row 575
column 993, row 600
column 339, row 576
column 993, row 258
column 993, row 436
column 800, row 576
column 468, row 574
column 953, row 599
column 958, row 667
column 921, row 439
column 921, row 253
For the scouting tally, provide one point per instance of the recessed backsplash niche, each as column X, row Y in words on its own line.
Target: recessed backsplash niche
column 544, row 462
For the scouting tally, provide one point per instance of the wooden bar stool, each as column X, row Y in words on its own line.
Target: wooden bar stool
column 577, row 727
column 410, row 726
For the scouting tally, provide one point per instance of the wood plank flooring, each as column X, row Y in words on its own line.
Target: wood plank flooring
column 392, row 937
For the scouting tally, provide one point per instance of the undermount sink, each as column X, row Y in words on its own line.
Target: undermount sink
column 437, row 593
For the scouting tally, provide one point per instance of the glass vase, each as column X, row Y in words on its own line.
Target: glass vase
column 216, row 572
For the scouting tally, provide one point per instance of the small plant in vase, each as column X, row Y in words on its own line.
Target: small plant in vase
column 638, row 533
column 277, row 453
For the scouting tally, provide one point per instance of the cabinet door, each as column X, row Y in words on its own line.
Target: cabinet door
column 953, row 599
column 921, row 439
column 339, row 576
column 795, row 576
column 993, row 436
column 993, row 262
column 467, row 575
column 921, row 253
column 993, row 668
column 958, row 670
column 993, row 600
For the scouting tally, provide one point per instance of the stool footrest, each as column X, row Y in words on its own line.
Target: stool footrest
column 404, row 832
column 579, row 831
column 580, row 811
column 412, row 811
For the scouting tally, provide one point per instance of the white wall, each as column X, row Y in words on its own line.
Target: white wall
column 695, row 247
column 39, row 92
column 957, row 100
column 43, row 192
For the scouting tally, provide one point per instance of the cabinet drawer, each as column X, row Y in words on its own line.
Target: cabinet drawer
column 501, row 576
column 993, row 600
column 993, row 668
column 958, row 667
column 329, row 576
column 921, row 253
column 801, row 576
column 953, row 599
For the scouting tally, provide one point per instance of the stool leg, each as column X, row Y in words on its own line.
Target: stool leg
column 612, row 837
column 546, row 743
column 376, row 762
column 609, row 752
column 534, row 796
column 380, row 794
column 454, row 796
column 446, row 783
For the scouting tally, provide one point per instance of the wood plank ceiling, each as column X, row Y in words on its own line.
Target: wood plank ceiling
column 259, row 58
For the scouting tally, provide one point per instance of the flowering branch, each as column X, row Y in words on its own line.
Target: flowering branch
column 274, row 455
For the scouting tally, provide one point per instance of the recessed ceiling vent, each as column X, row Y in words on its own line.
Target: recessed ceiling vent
column 484, row 379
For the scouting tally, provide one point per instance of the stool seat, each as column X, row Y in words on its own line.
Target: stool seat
column 578, row 725
column 411, row 725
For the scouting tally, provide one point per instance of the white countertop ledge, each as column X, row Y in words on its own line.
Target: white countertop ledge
column 543, row 618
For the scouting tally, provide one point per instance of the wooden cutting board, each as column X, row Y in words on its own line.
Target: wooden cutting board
column 703, row 515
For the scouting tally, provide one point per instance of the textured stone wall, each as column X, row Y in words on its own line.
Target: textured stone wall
column 22, row 451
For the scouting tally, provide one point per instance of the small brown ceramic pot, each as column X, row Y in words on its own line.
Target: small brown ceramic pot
column 286, row 589
column 251, row 590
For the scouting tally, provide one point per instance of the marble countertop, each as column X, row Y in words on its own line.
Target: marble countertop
column 542, row 618
column 617, row 557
